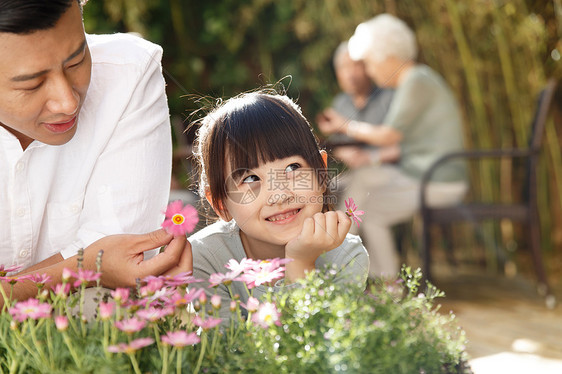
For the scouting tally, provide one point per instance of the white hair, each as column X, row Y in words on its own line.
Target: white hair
column 381, row 37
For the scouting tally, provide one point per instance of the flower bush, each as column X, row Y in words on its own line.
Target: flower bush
column 170, row 325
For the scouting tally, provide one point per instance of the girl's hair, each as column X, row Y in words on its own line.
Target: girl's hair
column 250, row 129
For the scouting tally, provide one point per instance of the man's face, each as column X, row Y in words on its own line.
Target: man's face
column 352, row 77
column 44, row 77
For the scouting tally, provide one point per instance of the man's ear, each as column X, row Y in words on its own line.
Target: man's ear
column 324, row 155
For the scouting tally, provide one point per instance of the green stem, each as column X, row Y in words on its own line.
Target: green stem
column 36, row 344
column 82, row 301
column 73, row 353
column 68, row 314
column 13, row 366
column 202, row 353
column 106, row 338
column 164, row 356
column 28, row 348
column 50, row 344
column 134, row 362
column 179, row 361
column 5, row 297
column 214, row 342
column 157, row 336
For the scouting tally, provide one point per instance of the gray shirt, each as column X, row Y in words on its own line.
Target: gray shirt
column 425, row 111
column 216, row 244
column 373, row 112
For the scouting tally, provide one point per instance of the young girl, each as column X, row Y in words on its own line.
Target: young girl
column 263, row 174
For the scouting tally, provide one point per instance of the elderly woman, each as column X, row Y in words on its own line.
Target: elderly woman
column 423, row 123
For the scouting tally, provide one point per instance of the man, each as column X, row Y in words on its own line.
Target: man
column 85, row 147
column 422, row 124
column 359, row 100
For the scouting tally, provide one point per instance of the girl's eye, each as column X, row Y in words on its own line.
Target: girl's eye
column 292, row 167
column 250, row 179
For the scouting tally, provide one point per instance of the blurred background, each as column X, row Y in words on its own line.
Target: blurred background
column 496, row 54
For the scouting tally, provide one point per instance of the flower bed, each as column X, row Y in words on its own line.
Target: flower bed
column 316, row 327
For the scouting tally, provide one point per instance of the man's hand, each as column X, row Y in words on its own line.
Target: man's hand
column 123, row 257
column 352, row 156
column 320, row 233
column 330, row 122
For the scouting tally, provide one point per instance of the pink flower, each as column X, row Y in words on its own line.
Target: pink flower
column 151, row 287
column 12, row 279
column 252, row 304
column 207, row 323
column 179, row 219
column 179, row 299
column 5, row 270
column 132, row 347
column 61, row 322
column 180, row 338
column 31, row 308
column 121, row 295
column 245, row 264
column 216, row 301
column 106, row 310
column 130, row 325
column 62, row 290
column 180, row 279
column 39, row 279
column 266, row 316
column 153, row 314
column 268, row 272
column 85, row 276
column 352, row 212
column 220, row 278
column 67, row 274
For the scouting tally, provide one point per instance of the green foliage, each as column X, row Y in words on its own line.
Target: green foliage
column 338, row 328
column 323, row 327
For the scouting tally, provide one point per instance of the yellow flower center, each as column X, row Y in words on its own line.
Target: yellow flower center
column 178, row 219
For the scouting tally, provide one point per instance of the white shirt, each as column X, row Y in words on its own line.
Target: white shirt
column 112, row 177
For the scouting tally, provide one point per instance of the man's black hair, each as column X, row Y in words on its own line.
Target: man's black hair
column 28, row 16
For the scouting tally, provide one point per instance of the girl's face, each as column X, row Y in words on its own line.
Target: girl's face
column 270, row 203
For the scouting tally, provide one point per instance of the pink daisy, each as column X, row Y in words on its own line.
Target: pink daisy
column 9, row 269
column 252, row 304
column 130, row 325
column 266, row 316
column 153, row 314
column 266, row 272
column 180, row 338
column 61, row 322
column 132, row 347
column 180, row 219
column 207, row 323
column 352, row 212
column 106, row 310
column 31, row 308
column 85, row 276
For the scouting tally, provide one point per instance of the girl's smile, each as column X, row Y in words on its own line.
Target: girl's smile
column 284, row 217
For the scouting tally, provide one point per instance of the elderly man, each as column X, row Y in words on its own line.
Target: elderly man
column 85, row 147
column 423, row 123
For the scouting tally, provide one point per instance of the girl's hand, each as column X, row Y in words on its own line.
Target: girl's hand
column 320, row 233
